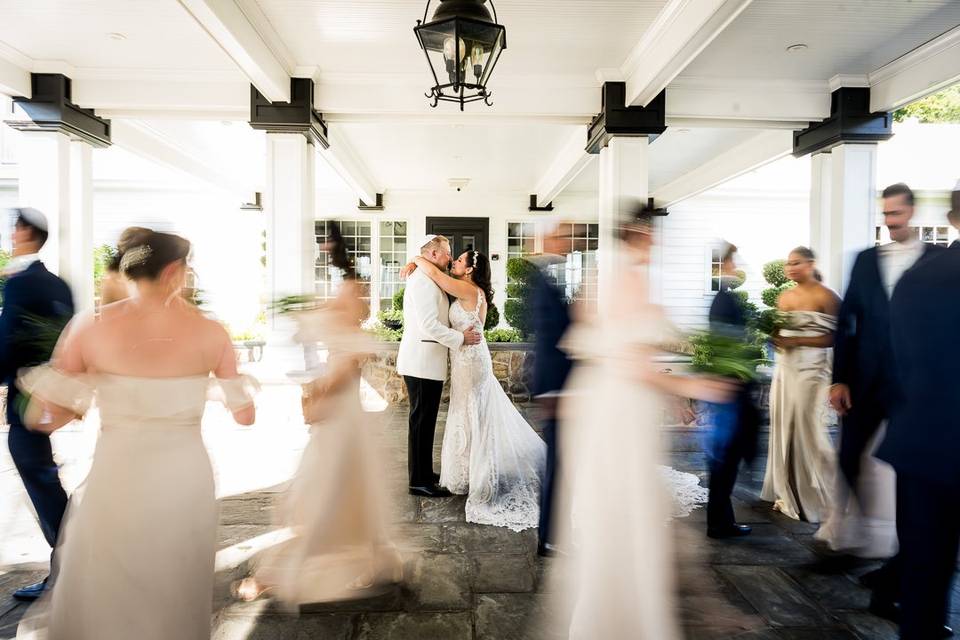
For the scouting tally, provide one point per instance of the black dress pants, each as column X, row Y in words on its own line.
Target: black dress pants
column 33, row 456
column 424, row 406
column 546, row 489
column 928, row 526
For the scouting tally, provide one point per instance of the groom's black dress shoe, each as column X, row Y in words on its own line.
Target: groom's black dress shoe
column 436, row 478
column 30, row 592
column 889, row 610
column 733, row 531
column 431, row 491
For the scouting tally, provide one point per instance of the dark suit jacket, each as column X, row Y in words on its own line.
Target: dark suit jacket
column 32, row 295
column 551, row 318
column 923, row 435
column 861, row 348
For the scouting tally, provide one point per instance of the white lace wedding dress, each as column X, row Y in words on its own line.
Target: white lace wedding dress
column 489, row 451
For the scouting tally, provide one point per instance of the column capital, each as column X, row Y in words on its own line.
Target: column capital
column 850, row 121
column 51, row 109
column 296, row 116
column 617, row 119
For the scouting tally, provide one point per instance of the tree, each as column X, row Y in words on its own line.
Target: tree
column 942, row 107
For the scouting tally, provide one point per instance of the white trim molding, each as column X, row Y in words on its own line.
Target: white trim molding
column 924, row 70
column 569, row 163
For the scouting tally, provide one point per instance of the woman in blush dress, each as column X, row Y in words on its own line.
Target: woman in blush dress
column 136, row 555
column 335, row 506
column 801, row 461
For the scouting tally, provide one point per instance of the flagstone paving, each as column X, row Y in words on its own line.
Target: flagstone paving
column 465, row 581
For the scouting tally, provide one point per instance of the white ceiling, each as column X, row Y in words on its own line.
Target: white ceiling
column 159, row 35
column 843, row 36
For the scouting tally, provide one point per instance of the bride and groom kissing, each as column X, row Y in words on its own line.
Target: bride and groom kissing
column 489, row 452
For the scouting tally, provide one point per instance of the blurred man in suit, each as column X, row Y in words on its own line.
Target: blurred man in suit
column 954, row 214
column 923, row 441
column 551, row 318
column 36, row 306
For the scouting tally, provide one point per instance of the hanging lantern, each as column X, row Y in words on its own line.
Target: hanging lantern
column 462, row 43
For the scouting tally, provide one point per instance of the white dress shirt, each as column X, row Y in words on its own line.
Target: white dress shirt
column 19, row 263
column 895, row 259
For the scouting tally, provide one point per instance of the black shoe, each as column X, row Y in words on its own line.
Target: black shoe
column 733, row 531
column 431, row 491
column 436, row 478
column 31, row 592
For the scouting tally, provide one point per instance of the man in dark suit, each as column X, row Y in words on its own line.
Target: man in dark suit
column 923, row 441
column 954, row 214
column 36, row 305
column 861, row 367
column 551, row 318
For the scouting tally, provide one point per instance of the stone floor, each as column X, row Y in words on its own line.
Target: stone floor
column 464, row 581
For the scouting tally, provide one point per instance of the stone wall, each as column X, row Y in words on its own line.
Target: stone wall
column 512, row 365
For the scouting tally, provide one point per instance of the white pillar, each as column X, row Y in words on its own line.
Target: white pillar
column 820, row 179
column 853, row 202
column 289, row 205
column 623, row 185
column 56, row 177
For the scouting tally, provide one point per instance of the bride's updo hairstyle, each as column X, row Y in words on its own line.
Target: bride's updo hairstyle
column 147, row 254
column 481, row 273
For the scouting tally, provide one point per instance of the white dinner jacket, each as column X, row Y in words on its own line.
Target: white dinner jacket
column 427, row 336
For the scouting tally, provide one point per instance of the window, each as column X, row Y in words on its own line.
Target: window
column 716, row 269
column 934, row 235
column 578, row 275
column 393, row 255
column 521, row 240
column 356, row 236
column 937, row 235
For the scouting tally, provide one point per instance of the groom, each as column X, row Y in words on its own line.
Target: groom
column 422, row 361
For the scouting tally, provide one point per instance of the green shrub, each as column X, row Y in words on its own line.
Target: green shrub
column 102, row 256
column 493, row 317
column 398, row 299
column 519, row 307
column 4, row 259
column 774, row 274
column 503, row 335
column 392, row 319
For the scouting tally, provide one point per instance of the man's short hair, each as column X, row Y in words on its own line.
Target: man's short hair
column 899, row 189
column 435, row 244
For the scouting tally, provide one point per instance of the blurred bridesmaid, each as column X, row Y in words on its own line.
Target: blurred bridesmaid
column 137, row 553
column 801, row 462
column 335, row 504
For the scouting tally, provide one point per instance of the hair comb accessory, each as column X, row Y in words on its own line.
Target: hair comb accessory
column 476, row 255
column 135, row 256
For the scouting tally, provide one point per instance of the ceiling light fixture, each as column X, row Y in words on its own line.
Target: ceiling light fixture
column 797, row 48
column 462, row 43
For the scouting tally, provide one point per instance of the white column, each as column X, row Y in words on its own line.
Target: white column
column 623, row 185
column 820, row 179
column 56, row 177
column 289, row 205
column 853, row 202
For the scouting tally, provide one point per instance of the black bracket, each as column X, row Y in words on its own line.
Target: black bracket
column 256, row 205
column 372, row 207
column 296, row 116
column 51, row 109
column 850, row 121
column 617, row 119
column 654, row 211
column 535, row 207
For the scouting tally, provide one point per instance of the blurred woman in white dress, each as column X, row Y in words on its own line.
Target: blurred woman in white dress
column 621, row 580
column 335, row 506
column 801, row 461
column 136, row 558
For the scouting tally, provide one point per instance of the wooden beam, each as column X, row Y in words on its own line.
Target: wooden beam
column 682, row 29
column 924, row 70
column 755, row 152
column 230, row 28
column 569, row 162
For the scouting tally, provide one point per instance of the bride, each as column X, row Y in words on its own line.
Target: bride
column 489, row 451
column 136, row 558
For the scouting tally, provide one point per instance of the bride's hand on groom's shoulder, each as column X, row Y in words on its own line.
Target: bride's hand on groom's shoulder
column 407, row 269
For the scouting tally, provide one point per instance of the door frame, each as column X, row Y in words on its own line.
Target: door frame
column 463, row 224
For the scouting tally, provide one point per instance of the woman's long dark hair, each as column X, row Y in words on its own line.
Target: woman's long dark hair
column 338, row 252
column 481, row 275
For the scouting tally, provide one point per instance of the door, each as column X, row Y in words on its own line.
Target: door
column 465, row 234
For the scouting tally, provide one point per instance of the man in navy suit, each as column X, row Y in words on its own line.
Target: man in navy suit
column 551, row 318
column 954, row 214
column 861, row 366
column 31, row 295
column 923, row 441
